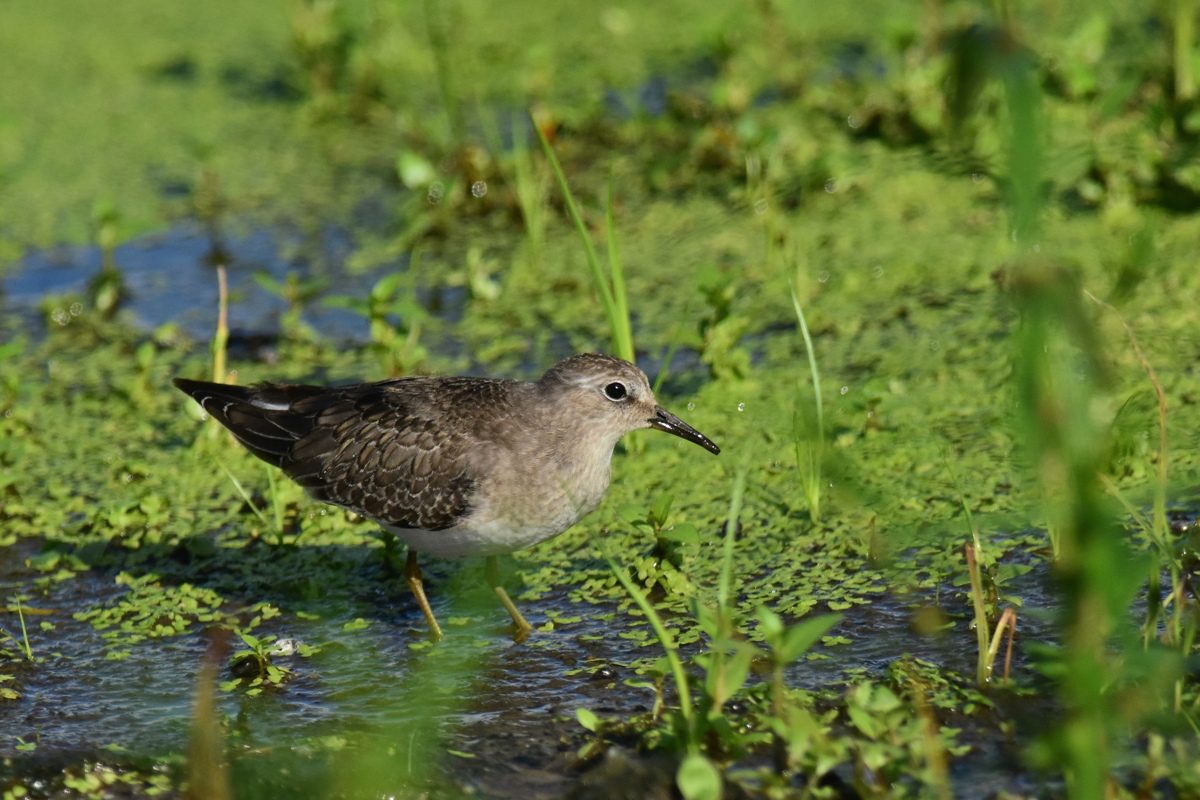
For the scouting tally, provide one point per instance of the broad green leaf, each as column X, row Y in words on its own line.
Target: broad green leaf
column 771, row 625
column 698, row 779
column 737, row 669
column 587, row 718
column 803, row 635
column 662, row 507
column 683, row 532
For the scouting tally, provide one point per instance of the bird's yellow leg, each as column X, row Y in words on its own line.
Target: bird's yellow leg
column 521, row 627
column 412, row 574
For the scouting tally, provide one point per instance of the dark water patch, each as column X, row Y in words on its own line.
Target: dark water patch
column 169, row 278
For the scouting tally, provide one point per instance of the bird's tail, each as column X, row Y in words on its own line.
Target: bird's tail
column 263, row 418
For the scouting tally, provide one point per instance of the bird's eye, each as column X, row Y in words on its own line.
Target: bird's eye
column 615, row 391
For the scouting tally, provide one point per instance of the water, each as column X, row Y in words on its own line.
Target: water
column 170, row 278
column 511, row 708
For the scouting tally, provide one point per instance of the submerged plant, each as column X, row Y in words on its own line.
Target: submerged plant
column 106, row 289
column 721, row 329
column 397, row 343
column 296, row 294
column 531, row 194
column 23, row 642
column 989, row 645
column 254, row 664
column 654, row 521
column 700, row 728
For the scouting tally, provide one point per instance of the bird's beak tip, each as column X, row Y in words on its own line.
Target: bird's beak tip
column 664, row 420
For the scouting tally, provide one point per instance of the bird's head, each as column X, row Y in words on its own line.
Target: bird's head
column 612, row 395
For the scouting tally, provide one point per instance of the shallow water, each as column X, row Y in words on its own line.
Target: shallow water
column 170, row 278
column 512, row 707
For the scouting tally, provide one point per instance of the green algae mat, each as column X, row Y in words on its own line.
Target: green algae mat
column 926, row 275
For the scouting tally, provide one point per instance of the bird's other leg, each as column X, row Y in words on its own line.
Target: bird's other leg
column 521, row 627
column 412, row 574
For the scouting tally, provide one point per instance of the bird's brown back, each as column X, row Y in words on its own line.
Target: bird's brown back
column 394, row 451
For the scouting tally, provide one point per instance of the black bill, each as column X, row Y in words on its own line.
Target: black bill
column 664, row 420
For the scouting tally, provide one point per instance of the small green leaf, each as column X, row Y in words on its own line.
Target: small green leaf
column 698, row 779
column 683, row 532
column 804, row 635
column 267, row 282
column 770, row 624
column 634, row 515
column 662, row 507
column 708, row 620
column 737, row 669
column 587, row 718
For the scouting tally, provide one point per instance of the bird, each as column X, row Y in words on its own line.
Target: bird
column 452, row 466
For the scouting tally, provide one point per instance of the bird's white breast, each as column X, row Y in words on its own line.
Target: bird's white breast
column 519, row 511
column 484, row 538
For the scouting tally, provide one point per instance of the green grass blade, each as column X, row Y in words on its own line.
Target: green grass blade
column 666, row 366
column 735, row 510
column 24, row 633
column 242, row 491
column 810, row 476
column 812, row 363
column 622, row 329
column 593, row 260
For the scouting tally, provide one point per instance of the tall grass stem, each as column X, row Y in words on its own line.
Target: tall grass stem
column 618, row 322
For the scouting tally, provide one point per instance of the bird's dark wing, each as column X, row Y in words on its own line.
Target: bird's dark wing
column 374, row 448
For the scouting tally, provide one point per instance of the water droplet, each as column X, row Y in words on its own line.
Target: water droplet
column 831, row 186
column 741, row 406
column 60, row 316
column 823, row 277
column 691, row 406
column 845, row 389
column 761, row 207
column 435, row 192
column 853, row 121
column 977, row 177
column 129, row 479
column 322, row 512
column 76, row 309
column 8, row 414
column 479, row 188
column 878, row 271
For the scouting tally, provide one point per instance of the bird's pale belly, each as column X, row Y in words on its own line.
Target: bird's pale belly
column 493, row 538
column 509, row 518
column 485, row 533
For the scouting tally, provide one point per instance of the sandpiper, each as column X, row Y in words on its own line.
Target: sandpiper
column 452, row 466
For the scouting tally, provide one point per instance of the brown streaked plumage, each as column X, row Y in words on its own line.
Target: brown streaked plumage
column 452, row 466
